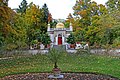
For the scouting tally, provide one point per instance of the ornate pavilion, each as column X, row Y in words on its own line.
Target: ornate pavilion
column 59, row 34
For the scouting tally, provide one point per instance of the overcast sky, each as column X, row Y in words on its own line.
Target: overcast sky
column 58, row 8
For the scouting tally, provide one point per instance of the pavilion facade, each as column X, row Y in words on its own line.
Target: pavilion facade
column 59, row 34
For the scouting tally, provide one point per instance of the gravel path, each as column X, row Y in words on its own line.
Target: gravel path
column 67, row 76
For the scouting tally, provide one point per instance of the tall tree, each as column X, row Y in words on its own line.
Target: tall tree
column 22, row 7
column 45, row 18
column 45, row 12
column 32, row 15
column 35, row 24
column 69, row 20
column 32, row 19
column 105, row 32
column 49, row 18
column 6, row 15
column 113, row 5
column 87, row 12
column 20, row 32
column 114, row 9
column 85, row 9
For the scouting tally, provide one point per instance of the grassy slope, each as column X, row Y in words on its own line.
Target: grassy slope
column 68, row 63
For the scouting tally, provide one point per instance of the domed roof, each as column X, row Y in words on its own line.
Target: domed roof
column 60, row 25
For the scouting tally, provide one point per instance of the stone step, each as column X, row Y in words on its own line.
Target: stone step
column 60, row 47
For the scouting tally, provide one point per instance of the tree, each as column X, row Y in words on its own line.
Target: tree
column 69, row 20
column 71, row 39
column 32, row 19
column 87, row 13
column 53, row 23
column 4, row 2
column 16, row 30
column 45, row 39
column 1, row 40
column 49, row 18
column 114, row 12
column 20, row 32
column 85, row 9
column 45, row 12
column 116, row 35
column 22, row 7
column 6, row 19
column 45, row 15
column 32, row 16
column 70, row 17
column 113, row 5
column 104, row 29
column 93, row 30
column 16, row 37
column 54, row 55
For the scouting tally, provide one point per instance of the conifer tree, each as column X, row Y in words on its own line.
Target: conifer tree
column 22, row 7
column 45, row 12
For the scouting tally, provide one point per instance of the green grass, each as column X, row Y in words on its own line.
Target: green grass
column 68, row 63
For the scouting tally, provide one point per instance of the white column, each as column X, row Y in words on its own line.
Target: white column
column 52, row 38
column 71, row 28
column 48, row 28
column 56, row 40
column 63, row 39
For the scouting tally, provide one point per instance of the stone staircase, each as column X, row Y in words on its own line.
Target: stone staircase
column 60, row 47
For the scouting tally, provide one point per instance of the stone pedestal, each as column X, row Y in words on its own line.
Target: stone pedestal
column 58, row 77
column 56, row 73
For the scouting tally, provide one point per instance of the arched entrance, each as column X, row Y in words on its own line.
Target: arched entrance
column 59, row 39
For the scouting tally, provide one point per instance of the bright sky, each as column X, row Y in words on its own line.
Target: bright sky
column 58, row 8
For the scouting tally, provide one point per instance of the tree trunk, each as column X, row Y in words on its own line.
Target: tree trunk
column 55, row 66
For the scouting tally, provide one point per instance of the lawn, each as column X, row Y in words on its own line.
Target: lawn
column 68, row 63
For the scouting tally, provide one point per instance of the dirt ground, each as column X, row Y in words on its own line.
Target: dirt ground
column 67, row 76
